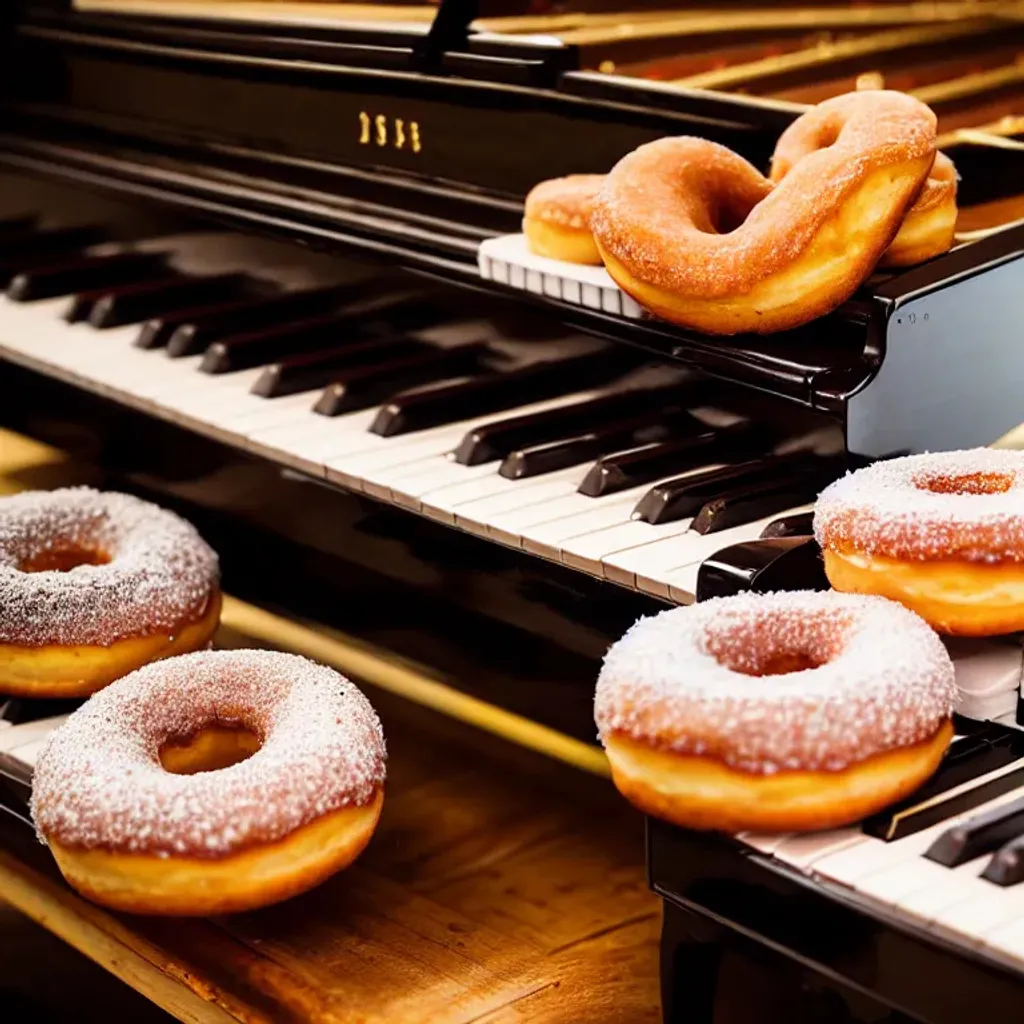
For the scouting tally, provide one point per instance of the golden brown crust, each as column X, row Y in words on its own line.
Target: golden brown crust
column 55, row 671
column 565, row 201
column 256, row 877
column 701, row 793
column 685, row 225
column 957, row 598
column 929, row 227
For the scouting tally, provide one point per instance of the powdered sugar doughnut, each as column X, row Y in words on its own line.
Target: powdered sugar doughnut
column 778, row 712
column 942, row 534
column 128, row 832
column 557, row 218
column 93, row 585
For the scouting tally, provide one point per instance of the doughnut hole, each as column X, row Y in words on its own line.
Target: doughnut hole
column 215, row 746
column 776, row 645
column 63, row 558
column 966, row 483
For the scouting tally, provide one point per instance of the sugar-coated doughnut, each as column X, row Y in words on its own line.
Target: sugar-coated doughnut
column 557, row 218
column 942, row 534
column 928, row 226
column 698, row 236
column 783, row 712
column 131, row 834
column 93, row 585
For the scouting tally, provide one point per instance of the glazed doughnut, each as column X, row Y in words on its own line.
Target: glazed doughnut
column 928, row 226
column 942, row 534
column 783, row 712
column 131, row 834
column 557, row 221
column 698, row 236
column 93, row 585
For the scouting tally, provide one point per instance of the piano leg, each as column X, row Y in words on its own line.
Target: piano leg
column 691, row 954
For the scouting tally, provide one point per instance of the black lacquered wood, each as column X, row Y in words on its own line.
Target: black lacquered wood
column 14, row 229
column 367, row 386
column 800, row 524
column 685, row 496
column 130, row 304
column 1007, row 865
column 978, row 835
column 697, row 446
column 20, row 252
column 968, row 760
column 620, row 436
column 195, row 331
column 272, row 344
column 748, row 503
column 315, row 370
column 50, row 280
column 421, row 410
column 762, row 567
column 493, row 441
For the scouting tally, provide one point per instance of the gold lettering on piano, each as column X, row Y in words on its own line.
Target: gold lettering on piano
column 381, row 131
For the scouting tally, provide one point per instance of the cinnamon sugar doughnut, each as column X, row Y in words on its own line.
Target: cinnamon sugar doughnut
column 928, row 226
column 783, row 712
column 697, row 235
column 942, row 534
column 129, row 833
column 93, row 585
column 557, row 221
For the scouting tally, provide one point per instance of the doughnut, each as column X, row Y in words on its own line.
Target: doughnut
column 698, row 236
column 93, row 585
column 147, row 805
column 942, row 534
column 782, row 712
column 928, row 227
column 557, row 220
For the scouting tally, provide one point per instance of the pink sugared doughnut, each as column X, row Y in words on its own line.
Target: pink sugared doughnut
column 793, row 711
column 130, row 833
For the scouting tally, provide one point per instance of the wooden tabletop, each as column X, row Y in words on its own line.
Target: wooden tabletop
column 502, row 885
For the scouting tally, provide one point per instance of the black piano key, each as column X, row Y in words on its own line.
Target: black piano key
column 273, row 344
column 625, row 435
column 371, row 385
column 21, row 252
column 493, row 441
column 800, row 524
column 50, row 280
column 1007, row 864
column 314, row 370
column 194, row 332
column 705, row 445
column 978, row 835
column 748, row 503
column 684, row 496
column 763, row 567
column 131, row 303
column 967, row 760
column 495, row 392
column 82, row 305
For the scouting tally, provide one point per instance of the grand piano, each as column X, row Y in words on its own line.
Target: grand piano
column 241, row 247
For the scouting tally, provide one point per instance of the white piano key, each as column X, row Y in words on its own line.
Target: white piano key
column 803, row 851
column 1008, row 939
column 764, row 842
column 898, row 880
column 28, row 754
column 983, row 909
column 18, row 736
column 308, row 443
column 270, row 412
column 591, row 549
column 855, row 863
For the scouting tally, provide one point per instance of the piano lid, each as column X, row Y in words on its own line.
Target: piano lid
column 267, row 11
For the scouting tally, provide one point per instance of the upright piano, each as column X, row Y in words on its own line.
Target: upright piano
column 240, row 245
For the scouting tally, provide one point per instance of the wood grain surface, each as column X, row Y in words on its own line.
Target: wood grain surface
column 501, row 886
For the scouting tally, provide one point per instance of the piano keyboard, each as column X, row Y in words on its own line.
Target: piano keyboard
column 567, row 449
column 949, row 858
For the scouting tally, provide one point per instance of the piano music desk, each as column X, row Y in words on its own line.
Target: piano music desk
column 501, row 886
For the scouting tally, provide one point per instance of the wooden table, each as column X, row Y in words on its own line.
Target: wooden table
column 502, row 885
